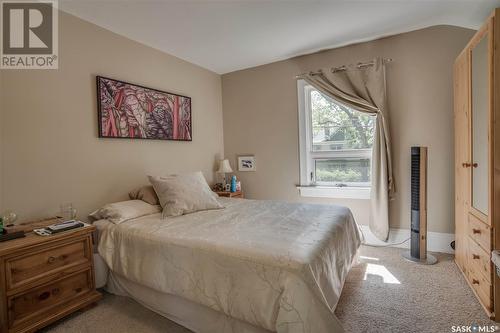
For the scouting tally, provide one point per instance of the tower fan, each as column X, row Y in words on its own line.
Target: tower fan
column 418, row 246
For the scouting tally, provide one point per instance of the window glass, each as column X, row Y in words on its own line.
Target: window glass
column 342, row 171
column 336, row 127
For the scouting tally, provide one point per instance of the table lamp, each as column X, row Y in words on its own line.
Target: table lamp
column 224, row 167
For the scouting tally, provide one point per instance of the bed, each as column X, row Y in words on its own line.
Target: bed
column 255, row 266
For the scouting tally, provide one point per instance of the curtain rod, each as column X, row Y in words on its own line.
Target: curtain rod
column 359, row 65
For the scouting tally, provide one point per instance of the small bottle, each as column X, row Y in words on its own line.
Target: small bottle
column 233, row 184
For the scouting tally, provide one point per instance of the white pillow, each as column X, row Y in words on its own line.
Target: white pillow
column 184, row 194
column 120, row 212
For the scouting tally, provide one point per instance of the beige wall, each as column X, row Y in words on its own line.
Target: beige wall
column 51, row 152
column 260, row 117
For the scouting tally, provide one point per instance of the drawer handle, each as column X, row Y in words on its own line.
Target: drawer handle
column 474, row 281
column 43, row 296
column 51, row 259
column 475, row 256
column 476, row 231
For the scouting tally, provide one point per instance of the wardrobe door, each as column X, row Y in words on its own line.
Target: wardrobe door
column 461, row 107
column 479, row 129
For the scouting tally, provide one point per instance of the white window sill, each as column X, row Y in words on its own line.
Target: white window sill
column 335, row 192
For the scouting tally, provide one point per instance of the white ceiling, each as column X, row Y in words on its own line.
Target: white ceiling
column 225, row 36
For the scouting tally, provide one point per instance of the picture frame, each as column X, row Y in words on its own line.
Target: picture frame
column 131, row 111
column 246, row 163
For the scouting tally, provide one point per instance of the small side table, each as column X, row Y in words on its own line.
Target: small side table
column 228, row 194
column 45, row 278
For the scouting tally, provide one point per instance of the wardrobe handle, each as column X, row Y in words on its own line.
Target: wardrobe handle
column 474, row 165
column 474, row 281
column 476, row 231
column 466, row 165
column 475, row 256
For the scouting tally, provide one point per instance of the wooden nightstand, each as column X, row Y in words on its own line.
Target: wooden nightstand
column 226, row 194
column 43, row 279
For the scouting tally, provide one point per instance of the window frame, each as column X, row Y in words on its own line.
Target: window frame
column 309, row 187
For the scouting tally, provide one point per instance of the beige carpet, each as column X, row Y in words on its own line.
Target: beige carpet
column 384, row 293
column 389, row 294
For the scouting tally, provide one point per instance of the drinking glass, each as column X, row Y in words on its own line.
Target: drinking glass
column 68, row 212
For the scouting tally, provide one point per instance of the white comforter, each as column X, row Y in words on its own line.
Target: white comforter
column 276, row 265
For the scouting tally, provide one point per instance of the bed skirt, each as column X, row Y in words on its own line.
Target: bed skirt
column 196, row 317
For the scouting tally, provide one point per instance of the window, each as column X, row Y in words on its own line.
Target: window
column 335, row 146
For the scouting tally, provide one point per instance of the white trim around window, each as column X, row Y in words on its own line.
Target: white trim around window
column 335, row 192
column 308, row 186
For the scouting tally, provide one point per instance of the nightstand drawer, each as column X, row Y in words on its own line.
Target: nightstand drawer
column 48, row 299
column 24, row 269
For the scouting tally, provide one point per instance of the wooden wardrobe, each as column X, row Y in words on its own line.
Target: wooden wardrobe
column 477, row 162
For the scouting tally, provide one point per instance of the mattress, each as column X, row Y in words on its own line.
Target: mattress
column 275, row 265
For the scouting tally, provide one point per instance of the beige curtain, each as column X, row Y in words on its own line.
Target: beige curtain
column 363, row 89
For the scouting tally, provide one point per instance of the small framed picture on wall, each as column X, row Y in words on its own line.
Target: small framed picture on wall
column 246, row 163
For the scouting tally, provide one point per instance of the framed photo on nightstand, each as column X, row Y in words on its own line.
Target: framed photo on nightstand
column 246, row 163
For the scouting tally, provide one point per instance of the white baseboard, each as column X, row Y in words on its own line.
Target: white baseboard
column 436, row 241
